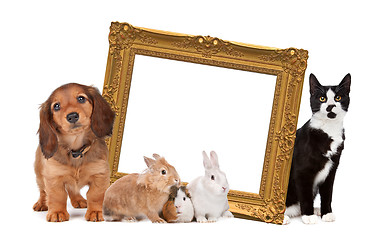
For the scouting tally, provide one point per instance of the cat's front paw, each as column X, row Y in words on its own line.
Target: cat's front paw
column 329, row 217
column 311, row 219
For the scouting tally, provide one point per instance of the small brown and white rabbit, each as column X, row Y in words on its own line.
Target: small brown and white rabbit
column 137, row 196
column 179, row 207
column 209, row 192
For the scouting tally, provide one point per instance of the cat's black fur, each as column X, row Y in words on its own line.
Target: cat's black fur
column 311, row 149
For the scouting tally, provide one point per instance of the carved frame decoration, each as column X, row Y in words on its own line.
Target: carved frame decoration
column 288, row 65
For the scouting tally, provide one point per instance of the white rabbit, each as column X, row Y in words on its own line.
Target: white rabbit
column 209, row 192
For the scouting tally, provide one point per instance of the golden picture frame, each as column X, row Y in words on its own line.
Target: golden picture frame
column 287, row 65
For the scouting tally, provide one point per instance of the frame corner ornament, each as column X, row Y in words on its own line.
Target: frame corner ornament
column 294, row 61
column 123, row 35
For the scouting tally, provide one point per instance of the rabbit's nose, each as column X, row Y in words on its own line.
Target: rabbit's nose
column 177, row 181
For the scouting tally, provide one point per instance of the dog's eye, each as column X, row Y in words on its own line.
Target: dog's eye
column 81, row 99
column 56, row 107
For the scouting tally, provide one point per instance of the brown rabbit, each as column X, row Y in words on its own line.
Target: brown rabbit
column 135, row 196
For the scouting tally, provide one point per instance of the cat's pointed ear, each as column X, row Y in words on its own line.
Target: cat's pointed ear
column 345, row 84
column 314, row 84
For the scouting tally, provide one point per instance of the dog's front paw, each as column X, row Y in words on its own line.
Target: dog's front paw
column 94, row 216
column 57, row 216
column 40, row 206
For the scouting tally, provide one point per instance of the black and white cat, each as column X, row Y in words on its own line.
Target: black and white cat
column 318, row 146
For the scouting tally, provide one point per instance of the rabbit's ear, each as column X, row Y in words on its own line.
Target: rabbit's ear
column 149, row 162
column 214, row 159
column 156, row 156
column 187, row 192
column 206, row 161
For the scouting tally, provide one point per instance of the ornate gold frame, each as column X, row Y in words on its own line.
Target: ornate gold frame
column 288, row 65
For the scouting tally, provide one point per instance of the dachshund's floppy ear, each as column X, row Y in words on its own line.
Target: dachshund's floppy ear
column 47, row 135
column 102, row 117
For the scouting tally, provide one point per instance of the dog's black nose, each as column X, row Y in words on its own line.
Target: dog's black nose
column 72, row 117
column 330, row 107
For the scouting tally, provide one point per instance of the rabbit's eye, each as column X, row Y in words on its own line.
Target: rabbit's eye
column 164, row 172
column 212, row 177
column 184, row 198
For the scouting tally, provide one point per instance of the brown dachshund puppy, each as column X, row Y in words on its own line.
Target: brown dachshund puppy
column 72, row 152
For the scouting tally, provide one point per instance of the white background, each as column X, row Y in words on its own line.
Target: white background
column 46, row 44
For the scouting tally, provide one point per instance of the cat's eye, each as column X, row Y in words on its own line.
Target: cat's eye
column 337, row 98
column 322, row 99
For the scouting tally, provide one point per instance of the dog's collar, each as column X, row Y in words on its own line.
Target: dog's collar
column 81, row 152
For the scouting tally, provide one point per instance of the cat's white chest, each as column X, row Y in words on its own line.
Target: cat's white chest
column 336, row 134
column 334, row 129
